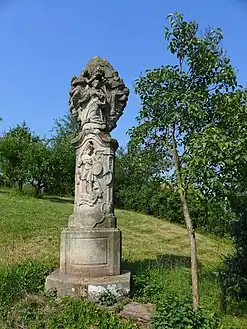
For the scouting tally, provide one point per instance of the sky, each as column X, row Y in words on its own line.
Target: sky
column 46, row 42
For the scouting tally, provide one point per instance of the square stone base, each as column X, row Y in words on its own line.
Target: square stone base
column 92, row 288
column 90, row 253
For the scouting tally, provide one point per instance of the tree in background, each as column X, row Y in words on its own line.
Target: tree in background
column 233, row 276
column 14, row 149
column 139, row 183
column 183, row 101
column 62, row 174
column 49, row 164
column 38, row 164
column 25, row 158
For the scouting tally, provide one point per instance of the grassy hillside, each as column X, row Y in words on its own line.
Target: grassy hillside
column 30, row 229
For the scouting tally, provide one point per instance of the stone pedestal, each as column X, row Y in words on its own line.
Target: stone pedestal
column 90, row 249
column 90, row 287
column 89, row 264
column 93, row 253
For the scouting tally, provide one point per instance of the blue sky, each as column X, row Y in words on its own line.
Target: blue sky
column 45, row 42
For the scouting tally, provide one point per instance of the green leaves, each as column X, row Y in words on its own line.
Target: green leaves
column 201, row 99
column 181, row 35
column 14, row 148
column 24, row 157
column 62, row 158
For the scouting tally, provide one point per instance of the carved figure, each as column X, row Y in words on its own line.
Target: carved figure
column 87, row 171
column 98, row 96
column 92, row 115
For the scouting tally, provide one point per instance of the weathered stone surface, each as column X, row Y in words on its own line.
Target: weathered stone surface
column 90, row 253
column 94, row 188
column 78, row 286
column 143, row 313
column 91, row 245
column 98, row 96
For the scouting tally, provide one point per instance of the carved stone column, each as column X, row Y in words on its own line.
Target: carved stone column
column 90, row 252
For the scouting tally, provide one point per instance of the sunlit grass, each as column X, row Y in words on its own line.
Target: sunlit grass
column 30, row 230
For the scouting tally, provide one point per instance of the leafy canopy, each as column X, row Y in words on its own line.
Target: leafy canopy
column 198, row 102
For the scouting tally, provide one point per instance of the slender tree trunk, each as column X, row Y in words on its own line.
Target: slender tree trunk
column 192, row 238
column 20, row 186
column 37, row 191
column 37, row 188
column 189, row 225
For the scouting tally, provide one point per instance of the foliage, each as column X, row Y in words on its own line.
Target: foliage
column 234, row 275
column 48, row 164
column 39, row 311
column 23, row 303
column 18, row 280
column 140, row 190
column 38, row 164
column 108, row 298
column 61, row 179
column 62, row 175
column 65, row 126
column 136, row 170
column 25, row 158
column 14, row 149
column 172, row 313
column 185, row 109
column 200, row 103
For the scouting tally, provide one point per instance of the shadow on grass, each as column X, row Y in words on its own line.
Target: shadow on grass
column 58, row 199
column 162, row 260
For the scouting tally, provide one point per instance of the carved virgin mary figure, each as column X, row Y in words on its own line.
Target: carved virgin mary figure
column 98, row 96
column 91, row 116
column 88, row 100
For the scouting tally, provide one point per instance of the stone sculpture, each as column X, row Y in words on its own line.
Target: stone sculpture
column 90, row 252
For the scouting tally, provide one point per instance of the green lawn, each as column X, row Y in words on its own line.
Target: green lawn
column 30, row 229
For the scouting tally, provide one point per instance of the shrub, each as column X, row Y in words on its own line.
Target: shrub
column 151, row 199
column 23, row 304
column 35, row 312
column 172, row 312
column 18, row 280
column 233, row 277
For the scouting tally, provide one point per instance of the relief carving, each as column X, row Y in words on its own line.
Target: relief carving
column 98, row 97
column 89, row 168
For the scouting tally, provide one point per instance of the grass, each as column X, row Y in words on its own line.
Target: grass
column 30, row 230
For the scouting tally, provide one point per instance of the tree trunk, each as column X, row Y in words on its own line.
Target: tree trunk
column 37, row 191
column 20, row 186
column 192, row 238
column 37, row 188
column 188, row 222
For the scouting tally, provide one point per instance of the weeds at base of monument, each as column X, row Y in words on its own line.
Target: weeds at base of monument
column 108, row 298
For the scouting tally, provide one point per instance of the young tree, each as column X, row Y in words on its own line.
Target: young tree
column 183, row 101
